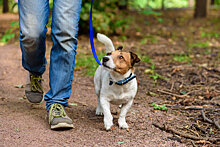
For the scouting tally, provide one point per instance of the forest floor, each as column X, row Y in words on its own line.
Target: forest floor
column 179, row 68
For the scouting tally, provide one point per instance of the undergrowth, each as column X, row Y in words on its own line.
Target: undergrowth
column 87, row 64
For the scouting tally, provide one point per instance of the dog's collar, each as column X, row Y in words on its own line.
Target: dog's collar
column 124, row 81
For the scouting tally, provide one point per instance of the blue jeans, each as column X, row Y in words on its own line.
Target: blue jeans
column 33, row 18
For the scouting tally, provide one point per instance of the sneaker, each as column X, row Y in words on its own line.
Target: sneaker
column 58, row 118
column 33, row 89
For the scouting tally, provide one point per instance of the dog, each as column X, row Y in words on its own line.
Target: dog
column 115, row 82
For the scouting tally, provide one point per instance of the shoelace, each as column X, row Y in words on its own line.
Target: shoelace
column 35, row 83
column 56, row 110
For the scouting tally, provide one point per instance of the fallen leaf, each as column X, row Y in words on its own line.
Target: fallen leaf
column 183, row 92
column 170, row 119
column 21, row 98
column 174, row 98
column 152, row 93
column 148, row 71
column 19, row 86
column 72, row 104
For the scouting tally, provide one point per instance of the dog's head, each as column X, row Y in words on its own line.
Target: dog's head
column 120, row 61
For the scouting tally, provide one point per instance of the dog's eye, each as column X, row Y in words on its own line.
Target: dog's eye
column 121, row 57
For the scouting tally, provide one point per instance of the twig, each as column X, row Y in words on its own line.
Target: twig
column 209, row 120
column 173, row 94
column 193, row 143
column 216, row 90
column 200, row 108
column 199, row 128
column 171, row 89
column 213, row 70
column 176, row 107
column 194, row 132
column 193, row 108
column 205, row 118
column 216, row 123
column 169, row 129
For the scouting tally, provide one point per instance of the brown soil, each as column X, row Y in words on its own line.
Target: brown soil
column 24, row 124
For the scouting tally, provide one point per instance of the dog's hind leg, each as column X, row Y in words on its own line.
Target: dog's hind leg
column 121, row 120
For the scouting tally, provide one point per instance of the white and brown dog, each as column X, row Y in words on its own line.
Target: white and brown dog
column 115, row 82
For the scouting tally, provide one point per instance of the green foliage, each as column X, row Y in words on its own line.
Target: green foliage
column 160, row 20
column 9, row 34
column 149, row 39
column 122, row 38
column 183, row 92
column 155, row 76
column 106, row 17
column 182, row 58
column 217, row 2
column 157, row 4
column 145, row 59
column 207, row 51
column 159, row 107
column 151, row 12
column 11, row 4
column 211, row 131
column 138, row 4
column 210, row 34
column 200, row 44
column 87, row 63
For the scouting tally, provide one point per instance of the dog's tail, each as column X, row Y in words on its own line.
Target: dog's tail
column 107, row 42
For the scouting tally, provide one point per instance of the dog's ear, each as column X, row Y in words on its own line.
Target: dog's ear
column 120, row 48
column 134, row 59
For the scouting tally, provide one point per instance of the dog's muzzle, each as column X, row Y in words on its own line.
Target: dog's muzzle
column 105, row 59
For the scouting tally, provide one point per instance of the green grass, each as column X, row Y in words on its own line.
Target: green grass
column 145, row 59
column 182, row 58
column 9, row 33
column 159, row 107
column 199, row 44
column 149, row 39
column 87, row 63
column 153, row 75
column 210, row 34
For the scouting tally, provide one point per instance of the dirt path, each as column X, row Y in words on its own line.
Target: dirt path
column 24, row 124
column 188, row 56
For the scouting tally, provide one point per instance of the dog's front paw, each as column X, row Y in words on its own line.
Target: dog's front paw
column 99, row 111
column 108, row 125
column 108, row 121
column 123, row 124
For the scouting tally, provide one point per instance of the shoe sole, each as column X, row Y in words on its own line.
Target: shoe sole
column 34, row 97
column 61, row 126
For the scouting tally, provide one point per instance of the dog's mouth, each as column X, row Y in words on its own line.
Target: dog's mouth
column 103, row 64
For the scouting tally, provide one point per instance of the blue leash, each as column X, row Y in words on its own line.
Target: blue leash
column 91, row 36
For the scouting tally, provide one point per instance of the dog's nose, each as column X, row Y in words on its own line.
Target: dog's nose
column 105, row 59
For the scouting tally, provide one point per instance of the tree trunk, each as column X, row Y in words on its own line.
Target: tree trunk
column 163, row 5
column 201, row 8
column 5, row 6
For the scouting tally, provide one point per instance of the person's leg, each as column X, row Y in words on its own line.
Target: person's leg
column 33, row 18
column 64, row 27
